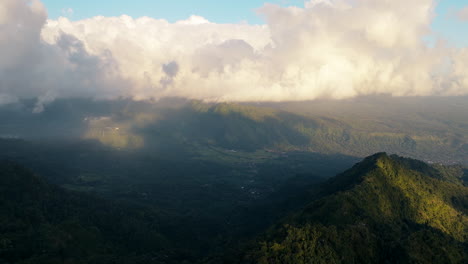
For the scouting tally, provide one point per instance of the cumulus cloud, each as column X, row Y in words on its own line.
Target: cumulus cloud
column 31, row 67
column 328, row 49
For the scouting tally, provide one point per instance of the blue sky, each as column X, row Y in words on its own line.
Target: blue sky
column 446, row 24
column 226, row 12
column 172, row 10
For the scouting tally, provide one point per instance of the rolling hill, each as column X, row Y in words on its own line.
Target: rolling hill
column 386, row 209
column 42, row 223
column 423, row 128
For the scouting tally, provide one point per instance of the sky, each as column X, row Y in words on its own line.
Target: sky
column 226, row 12
column 449, row 27
column 232, row 50
column 174, row 10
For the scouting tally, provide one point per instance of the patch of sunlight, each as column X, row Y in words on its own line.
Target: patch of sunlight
column 112, row 133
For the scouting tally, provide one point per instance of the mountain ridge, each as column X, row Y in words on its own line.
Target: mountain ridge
column 383, row 210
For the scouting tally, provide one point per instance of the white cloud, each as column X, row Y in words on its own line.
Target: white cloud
column 32, row 68
column 193, row 20
column 68, row 12
column 462, row 14
column 330, row 48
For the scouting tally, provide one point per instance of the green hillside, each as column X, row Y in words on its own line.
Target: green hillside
column 426, row 135
column 41, row 223
column 204, row 202
column 220, row 174
column 385, row 209
column 428, row 129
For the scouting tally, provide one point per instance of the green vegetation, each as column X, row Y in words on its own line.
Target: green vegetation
column 40, row 223
column 385, row 209
column 433, row 130
column 193, row 182
column 206, row 197
column 411, row 130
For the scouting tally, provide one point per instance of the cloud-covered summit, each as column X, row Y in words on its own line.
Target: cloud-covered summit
column 328, row 49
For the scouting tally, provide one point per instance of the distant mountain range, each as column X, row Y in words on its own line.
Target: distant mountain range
column 423, row 128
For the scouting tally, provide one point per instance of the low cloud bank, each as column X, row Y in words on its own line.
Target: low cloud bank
column 328, row 49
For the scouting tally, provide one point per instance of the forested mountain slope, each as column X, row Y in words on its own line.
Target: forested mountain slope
column 385, row 209
column 41, row 223
column 423, row 128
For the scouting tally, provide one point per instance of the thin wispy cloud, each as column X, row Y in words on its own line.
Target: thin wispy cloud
column 329, row 49
column 68, row 12
column 462, row 14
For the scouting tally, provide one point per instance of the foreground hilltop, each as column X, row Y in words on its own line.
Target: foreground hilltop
column 386, row 209
column 42, row 223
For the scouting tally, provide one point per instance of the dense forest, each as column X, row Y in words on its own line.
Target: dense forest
column 42, row 223
column 385, row 209
column 179, row 181
column 423, row 128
